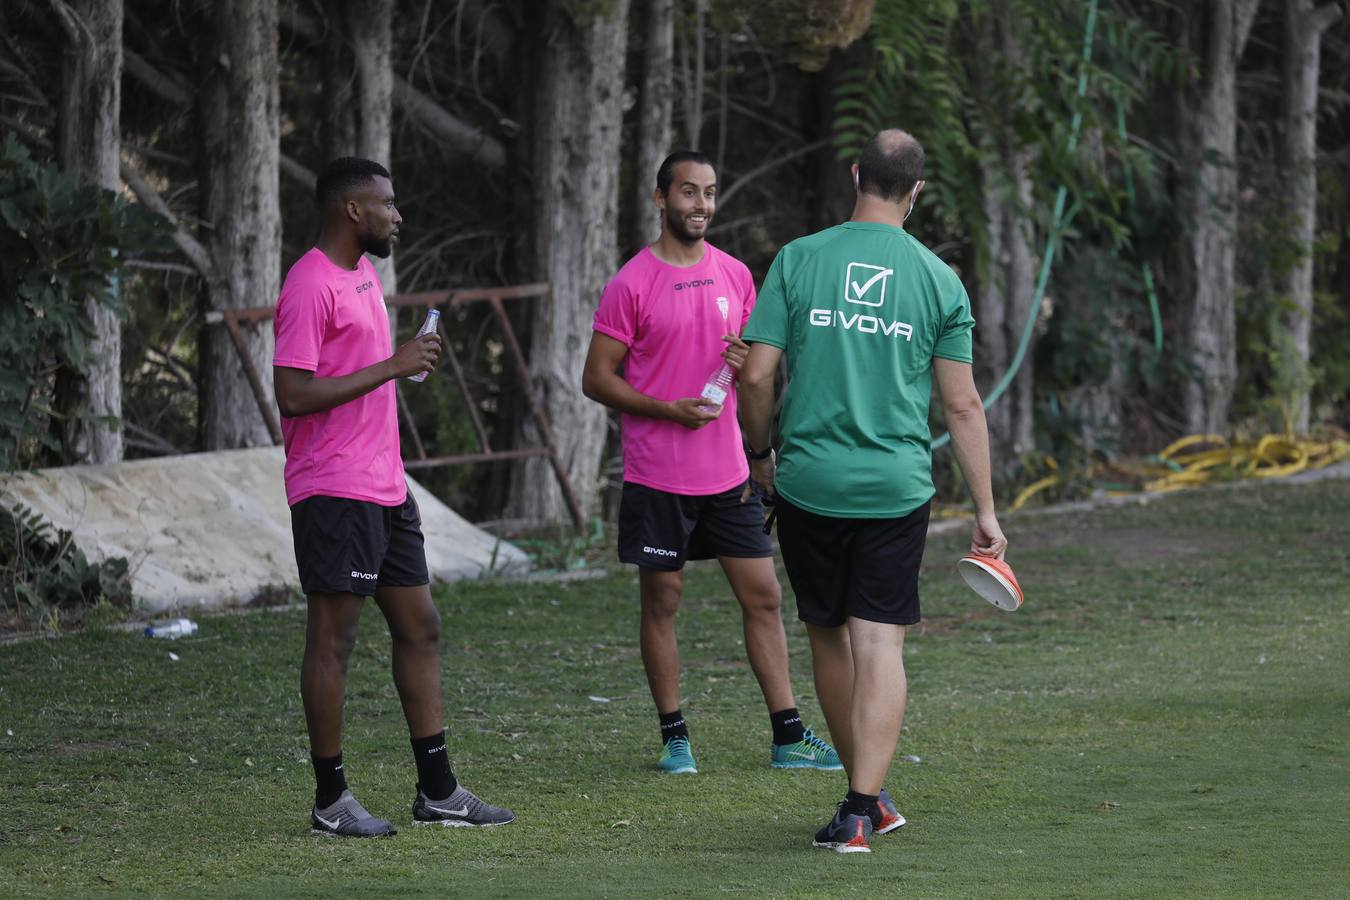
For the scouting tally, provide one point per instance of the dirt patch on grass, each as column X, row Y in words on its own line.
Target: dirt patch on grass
column 79, row 748
column 1130, row 545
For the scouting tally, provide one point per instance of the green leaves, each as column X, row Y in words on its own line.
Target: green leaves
column 61, row 246
column 41, row 569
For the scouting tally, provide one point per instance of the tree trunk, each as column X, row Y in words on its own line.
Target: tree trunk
column 578, row 124
column 89, row 145
column 1209, row 327
column 655, row 127
column 371, row 28
column 1303, row 28
column 240, row 152
column 339, row 77
column 1003, row 300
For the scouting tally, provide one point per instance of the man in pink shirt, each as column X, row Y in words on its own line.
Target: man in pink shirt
column 356, row 526
column 668, row 320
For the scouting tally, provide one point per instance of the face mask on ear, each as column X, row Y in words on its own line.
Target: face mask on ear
column 856, row 186
column 912, row 196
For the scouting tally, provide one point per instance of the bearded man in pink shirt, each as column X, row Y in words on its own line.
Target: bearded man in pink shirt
column 356, row 526
column 665, row 324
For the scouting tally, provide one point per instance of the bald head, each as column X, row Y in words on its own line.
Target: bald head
column 891, row 163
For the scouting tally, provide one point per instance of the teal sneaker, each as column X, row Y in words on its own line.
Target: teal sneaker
column 808, row 753
column 676, row 758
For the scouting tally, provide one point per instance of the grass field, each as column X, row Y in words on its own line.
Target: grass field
column 1168, row 715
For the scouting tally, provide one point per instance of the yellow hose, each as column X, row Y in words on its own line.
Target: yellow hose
column 1212, row 458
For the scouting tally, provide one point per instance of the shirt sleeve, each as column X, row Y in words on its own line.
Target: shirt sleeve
column 617, row 315
column 301, row 321
column 768, row 323
column 955, row 340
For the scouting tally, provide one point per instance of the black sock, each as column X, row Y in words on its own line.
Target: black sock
column 787, row 726
column 672, row 726
column 433, row 766
column 328, row 780
column 856, row 804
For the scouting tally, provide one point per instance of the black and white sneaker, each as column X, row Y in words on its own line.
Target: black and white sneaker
column 460, row 810
column 348, row 818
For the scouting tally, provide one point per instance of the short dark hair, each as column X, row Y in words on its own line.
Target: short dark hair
column 342, row 175
column 665, row 174
column 890, row 164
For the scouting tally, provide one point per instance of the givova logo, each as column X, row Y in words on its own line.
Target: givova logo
column 659, row 551
column 864, row 285
column 825, row 318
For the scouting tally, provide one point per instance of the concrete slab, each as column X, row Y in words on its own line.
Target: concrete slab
column 213, row 529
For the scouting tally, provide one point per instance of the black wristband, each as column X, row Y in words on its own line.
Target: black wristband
column 756, row 456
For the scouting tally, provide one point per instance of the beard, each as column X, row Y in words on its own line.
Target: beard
column 680, row 231
column 381, row 247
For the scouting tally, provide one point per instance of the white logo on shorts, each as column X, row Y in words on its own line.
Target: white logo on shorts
column 657, row 551
column 368, row 576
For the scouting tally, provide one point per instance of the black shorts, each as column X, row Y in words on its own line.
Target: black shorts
column 865, row 568
column 659, row 530
column 347, row 546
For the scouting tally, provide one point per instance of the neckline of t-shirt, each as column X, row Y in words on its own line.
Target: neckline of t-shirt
column 328, row 261
column 875, row 226
column 707, row 255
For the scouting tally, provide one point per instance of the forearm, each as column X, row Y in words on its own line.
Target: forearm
column 612, row 391
column 755, row 401
column 970, row 440
column 304, row 396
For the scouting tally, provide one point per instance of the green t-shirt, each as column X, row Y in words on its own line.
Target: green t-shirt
column 861, row 310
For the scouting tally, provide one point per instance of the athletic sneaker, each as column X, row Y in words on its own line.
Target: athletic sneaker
column 809, row 753
column 460, row 810
column 890, row 816
column 845, row 833
column 676, row 758
column 348, row 818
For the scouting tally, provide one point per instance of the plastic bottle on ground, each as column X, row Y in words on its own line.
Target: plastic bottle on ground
column 172, row 629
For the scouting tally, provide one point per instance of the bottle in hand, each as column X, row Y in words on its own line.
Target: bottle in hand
column 718, row 386
column 428, row 327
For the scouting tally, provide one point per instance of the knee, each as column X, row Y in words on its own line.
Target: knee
column 332, row 648
column 763, row 600
column 423, row 631
column 660, row 603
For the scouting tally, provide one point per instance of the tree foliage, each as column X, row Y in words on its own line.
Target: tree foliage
column 60, row 242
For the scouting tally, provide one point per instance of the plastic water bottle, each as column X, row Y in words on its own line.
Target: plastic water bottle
column 428, row 327
column 718, row 386
column 172, row 629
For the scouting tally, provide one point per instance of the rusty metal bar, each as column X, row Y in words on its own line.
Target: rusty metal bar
column 254, row 381
column 468, row 295
column 464, row 390
column 489, row 456
column 249, row 314
column 424, row 298
column 494, row 296
column 523, row 369
column 408, row 420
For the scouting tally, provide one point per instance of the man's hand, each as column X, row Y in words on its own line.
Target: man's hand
column 692, row 412
column 761, row 476
column 417, row 356
column 986, row 538
column 736, row 351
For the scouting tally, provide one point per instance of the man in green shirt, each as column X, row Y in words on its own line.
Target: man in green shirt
column 866, row 316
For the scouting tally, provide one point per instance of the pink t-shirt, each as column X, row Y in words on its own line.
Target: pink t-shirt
column 332, row 321
column 672, row 320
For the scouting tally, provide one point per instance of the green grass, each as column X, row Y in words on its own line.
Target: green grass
column 1168, row 715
